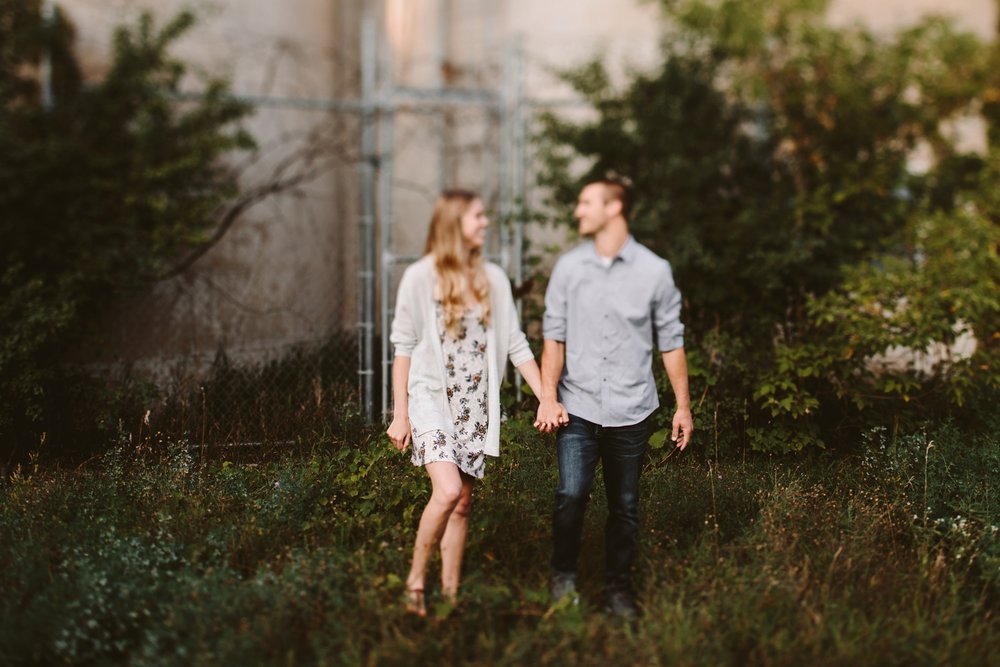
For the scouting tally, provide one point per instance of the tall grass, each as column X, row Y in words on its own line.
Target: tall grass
column 151, row 556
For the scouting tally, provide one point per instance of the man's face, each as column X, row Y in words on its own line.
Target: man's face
column 592, row 211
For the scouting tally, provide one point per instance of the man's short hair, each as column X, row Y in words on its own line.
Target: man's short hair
column 617, row 186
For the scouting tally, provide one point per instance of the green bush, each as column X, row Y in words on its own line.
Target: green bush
column 770, row 155
column 99, row 194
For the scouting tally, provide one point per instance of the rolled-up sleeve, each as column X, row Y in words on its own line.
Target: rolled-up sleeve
column 403, row 335
column 667, row 312
column 554, row 320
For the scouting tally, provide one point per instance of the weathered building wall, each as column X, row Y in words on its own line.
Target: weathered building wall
column 287, row 271
column 884, row 16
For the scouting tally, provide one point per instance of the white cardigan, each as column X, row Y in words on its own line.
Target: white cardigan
column 415, row 335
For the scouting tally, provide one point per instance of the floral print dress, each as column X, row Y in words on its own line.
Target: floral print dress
column 465, row 382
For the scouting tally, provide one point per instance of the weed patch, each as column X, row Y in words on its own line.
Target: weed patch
column 152, row 555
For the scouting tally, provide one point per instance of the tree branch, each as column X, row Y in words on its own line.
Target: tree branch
column 314, row 158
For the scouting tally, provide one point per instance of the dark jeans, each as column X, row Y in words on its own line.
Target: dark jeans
column 620, row 449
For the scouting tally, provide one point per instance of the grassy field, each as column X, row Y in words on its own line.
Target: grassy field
column 149, row 556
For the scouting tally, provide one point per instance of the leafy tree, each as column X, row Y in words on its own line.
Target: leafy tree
column 771, row 155
column 99, row 194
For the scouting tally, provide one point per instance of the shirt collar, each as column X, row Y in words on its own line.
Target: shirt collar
column 626, row 254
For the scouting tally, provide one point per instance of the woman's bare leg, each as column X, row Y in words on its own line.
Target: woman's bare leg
column 446, row 493
column 453, row 541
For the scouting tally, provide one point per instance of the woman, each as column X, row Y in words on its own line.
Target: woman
column 454, row 328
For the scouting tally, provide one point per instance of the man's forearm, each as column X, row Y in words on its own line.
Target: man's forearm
column 553, row 358
column 675, row 363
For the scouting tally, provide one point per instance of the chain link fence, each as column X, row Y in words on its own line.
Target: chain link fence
column 257, row 342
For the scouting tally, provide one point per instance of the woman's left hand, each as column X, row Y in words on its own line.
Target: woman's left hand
column 399, row 432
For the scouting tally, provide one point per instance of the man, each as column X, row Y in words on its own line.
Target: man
column 609, row 299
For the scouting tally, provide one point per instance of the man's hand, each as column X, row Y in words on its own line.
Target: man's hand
column 551, row 415
column 399, row 432
column 683, row 427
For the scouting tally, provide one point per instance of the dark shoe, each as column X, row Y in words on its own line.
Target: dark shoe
column 621, row 604
column 563, row 587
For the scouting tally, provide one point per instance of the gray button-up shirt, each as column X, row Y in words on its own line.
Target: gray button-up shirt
column 609, row 317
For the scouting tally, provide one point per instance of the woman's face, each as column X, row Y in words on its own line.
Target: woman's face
column 474, row 224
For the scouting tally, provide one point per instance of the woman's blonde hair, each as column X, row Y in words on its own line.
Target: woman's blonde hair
column 459, row 268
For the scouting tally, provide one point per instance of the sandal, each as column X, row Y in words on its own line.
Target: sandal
column 415, row 602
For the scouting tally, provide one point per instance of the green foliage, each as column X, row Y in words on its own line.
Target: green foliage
column 771, row 157
column 149, row 555
column 99, row 194
column 949, row 291
column 306, row 391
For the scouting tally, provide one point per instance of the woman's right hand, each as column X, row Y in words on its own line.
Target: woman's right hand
column 399, row 432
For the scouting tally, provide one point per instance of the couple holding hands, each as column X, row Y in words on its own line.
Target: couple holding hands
column 609, row 300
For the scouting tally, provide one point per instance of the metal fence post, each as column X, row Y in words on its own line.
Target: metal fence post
column 45, row 66
column 366, row 223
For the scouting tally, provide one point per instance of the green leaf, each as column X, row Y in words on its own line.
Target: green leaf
column 660, row 438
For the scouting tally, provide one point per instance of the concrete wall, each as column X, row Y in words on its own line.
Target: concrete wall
column 286, row 272
column 885, row 16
